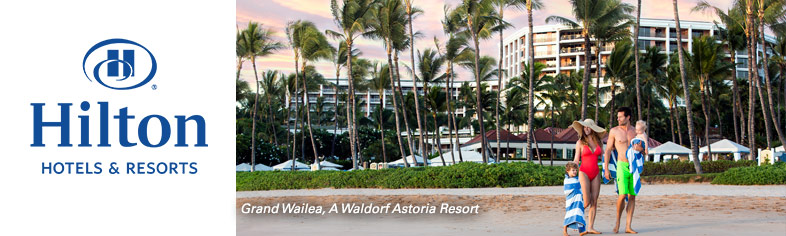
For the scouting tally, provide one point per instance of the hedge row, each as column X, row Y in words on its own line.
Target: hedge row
column 676, row 167
column 462, row 175
column 687, row 178
column 756, row 175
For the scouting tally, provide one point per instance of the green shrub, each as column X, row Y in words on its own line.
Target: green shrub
column 462, row 175
column 756, row 175
column 676, row 167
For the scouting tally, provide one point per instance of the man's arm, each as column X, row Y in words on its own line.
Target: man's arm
column 607, row 154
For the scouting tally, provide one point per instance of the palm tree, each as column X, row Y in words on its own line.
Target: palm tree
column 240, row 51
column 430, row 66
column 501, row 5
column 671, row 90
column 456, row 48
column 484, row 69
column 412, row 11
column 636, row 57
column 379, row 82
column 515, row 108
column 271, row 85
column 607, row 31
column 688, row 105
column 478, row 21
column 530, row 85
column 590, row 13
column 352, row 19
column 388, row 25
column 779, row 60
column 770, row 12
column 706, row 63
column 339, row 61
column 653, row 67
column 618, row 68
column 733, row 36
column 435, row 102
column 311, row 45
column 257, row 42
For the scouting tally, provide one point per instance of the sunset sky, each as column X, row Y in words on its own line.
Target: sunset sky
column 276, row 13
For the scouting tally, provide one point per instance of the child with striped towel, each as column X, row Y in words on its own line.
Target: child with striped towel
column 636, row 158
column 574, row 201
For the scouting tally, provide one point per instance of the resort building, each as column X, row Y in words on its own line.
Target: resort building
column 561, row 48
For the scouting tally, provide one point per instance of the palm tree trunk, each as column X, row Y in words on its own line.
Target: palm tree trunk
column 705, row 110
column 735, row 96
column 351, row 115
column 404, row 113
column 499, row 86
column 448, row 94
column 531, row 63
column 395, row 108
column 308, row 118
column 671, row 120
column 436, row 138
column 683, row 77
column 478, row 96
column 507, row 149
column 272, row 120
column 767, row 81
column 551, row 131
column 764, row 112
column 679, row 127
column 415, row 85
column 585, row 81
column 752, row 76
column 254, row 115
column 553, row 124
column 597, row 81
column 382, row 131
column 452, row 112
column 335, row 115
column 636, row 57
column 611, row 108
column 537, row 148
column 297, row 112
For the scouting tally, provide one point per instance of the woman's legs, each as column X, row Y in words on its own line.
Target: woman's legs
column 594, row 193
column 585, row 188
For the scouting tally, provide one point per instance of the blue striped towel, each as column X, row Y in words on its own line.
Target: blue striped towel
column 574, row 204
column 636, row 160
column 612, row 167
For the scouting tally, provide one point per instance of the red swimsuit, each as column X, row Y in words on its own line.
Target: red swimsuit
column 589, row 162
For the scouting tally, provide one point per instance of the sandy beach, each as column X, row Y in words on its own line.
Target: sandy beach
column 667, row 209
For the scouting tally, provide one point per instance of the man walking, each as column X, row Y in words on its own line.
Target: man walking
column 619, row 138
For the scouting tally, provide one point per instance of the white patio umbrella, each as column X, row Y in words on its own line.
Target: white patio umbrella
column 243, row 167
column 287, row 165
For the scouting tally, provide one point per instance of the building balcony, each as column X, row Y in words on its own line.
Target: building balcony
column 570, row 37
column 571, row 50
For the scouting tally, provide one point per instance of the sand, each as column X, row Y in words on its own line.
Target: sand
column 695, row 209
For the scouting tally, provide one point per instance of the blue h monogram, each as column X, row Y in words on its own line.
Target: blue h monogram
column 114, row 66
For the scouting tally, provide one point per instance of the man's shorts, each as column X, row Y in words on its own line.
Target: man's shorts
column 624, row 179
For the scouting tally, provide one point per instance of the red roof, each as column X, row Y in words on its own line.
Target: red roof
column 491, row 136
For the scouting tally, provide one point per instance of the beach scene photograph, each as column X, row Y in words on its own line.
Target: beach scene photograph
column 510, row 117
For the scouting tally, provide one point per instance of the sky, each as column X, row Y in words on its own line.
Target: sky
column 275, row 14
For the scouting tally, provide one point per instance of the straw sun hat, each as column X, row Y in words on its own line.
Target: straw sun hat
column 579, row 126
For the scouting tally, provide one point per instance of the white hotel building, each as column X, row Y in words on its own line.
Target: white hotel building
column 561, row 47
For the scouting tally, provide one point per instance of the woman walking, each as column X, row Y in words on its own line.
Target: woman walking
column 588, row 148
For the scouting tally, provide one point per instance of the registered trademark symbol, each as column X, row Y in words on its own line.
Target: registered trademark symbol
column 155, row 87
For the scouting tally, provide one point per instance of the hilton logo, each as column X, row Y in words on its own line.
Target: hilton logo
column 103, row 64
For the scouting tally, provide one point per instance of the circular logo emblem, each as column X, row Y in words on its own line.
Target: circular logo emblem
column 119, row 64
